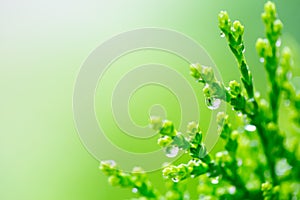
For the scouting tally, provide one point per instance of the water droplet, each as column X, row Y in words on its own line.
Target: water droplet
column 240, row 114
column 222, row 34
column 278, row 43
column 134, row 190
column 282, row 167
column 262, row 60
column 239, row 162
column 215, row 180
column 250, row 128
column 175, row 180
column 111, row 163
column 257, row 94
column 213, row 103
column 231, row 190
column 171, row 151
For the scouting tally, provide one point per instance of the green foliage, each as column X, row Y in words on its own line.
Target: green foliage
column 259, row 159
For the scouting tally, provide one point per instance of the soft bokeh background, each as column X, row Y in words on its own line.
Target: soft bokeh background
column 42, row 46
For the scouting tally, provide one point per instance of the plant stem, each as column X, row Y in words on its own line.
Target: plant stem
column 261, row 130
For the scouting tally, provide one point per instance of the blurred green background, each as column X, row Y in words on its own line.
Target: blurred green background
column 42, row 47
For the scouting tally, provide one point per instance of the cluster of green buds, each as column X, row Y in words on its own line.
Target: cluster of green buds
column 268, row 51
column 233, row 32
column 213, row 90
column 269, row 192
column 192, row 169
column 255, row 162
column 234, row 35
column 267, row 48
column 136, row 180
column 172, row 140
column 272, row 23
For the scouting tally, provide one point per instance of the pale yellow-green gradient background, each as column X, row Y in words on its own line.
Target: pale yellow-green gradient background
column 42, row 46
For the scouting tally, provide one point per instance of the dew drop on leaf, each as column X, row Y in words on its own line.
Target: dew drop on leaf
column 250, row 128
column 232, row 190
column 111, row 163
column 278, row 43
column 282, row 167
column 175, row 180
column 134, row 190
column 222, row 34
column 213, row 103
column 171, row 151
column 239, row 162
column 215, row 180
column 262, row 60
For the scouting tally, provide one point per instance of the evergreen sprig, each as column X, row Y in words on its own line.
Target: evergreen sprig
column 259, row 161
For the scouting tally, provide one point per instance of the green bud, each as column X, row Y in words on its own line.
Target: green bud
column 238, row 28
column 182, row 171
column 207, row 90
column 168, row 128
column 170, row 171
column 266, row 186
column 155, row 123
column 234, row 135
column 286, row 53
column 195, row 71
column 224, row 22
column 235, row 88
column 270, row 10
column 114, row 180
column 263, row 48
column 277, row 26
column 272, row 128
column 164, row 141
column 286, row 60
column 202, row 73
column 192, row 127
column 125, row 179
column 208, row 74
column 108, row 167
